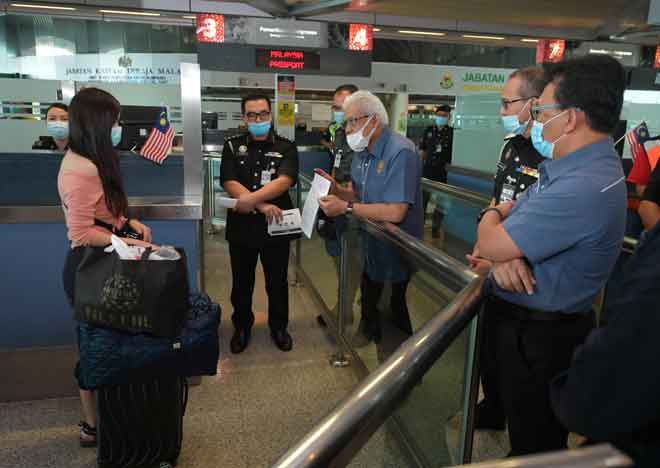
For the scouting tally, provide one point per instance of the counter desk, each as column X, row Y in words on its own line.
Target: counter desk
column 37, row 340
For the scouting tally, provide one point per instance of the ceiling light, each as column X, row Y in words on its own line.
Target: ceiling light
column 488, row 38
column 189, row 17
column 133, row 13
column 529, row 40
column 422, row 33
column 45, row 7
column 377, row 29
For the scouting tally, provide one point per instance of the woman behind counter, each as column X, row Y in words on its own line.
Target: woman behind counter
column 93, row 199
column 57, row 127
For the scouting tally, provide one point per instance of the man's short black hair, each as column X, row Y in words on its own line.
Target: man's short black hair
column 254, row 97
column 57, row 105
column 349, row 88
column 593, row 84
column 443, row 108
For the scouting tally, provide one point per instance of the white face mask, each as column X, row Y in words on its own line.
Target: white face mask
column 357, row 140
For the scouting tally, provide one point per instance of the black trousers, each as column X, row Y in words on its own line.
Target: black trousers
column 529, row 354
column 275, row 262
column 492, row 398
column 371, row 292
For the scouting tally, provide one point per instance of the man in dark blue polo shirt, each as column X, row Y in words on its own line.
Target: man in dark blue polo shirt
column 555, row 248
column 385, row 186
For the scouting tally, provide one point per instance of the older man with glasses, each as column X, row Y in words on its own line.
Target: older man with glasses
column 555, row 247
column 258, row 168
column 385, row 186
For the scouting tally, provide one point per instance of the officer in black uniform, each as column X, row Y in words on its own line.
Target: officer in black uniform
column 341, row 158
column 517, row 169
column 436, row 148
column 258, row 168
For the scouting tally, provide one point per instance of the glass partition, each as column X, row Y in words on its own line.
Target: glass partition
column 478, row 132
column 431, row 418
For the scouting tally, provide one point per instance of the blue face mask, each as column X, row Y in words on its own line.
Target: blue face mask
column 512, row 125
column 58, row 130
column 259, row 129
column 338, row 117
column 115, row 135
column 441, row 121
column 544, row 147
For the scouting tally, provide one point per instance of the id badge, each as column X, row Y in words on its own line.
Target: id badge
column 265, row 177
column 508, row 191
column 337, row 160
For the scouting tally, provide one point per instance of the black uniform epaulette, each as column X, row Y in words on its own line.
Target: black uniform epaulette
column 509, row 136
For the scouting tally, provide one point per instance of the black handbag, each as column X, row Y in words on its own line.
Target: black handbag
column 135, row 296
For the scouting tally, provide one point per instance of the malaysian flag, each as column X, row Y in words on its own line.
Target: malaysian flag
column 636, row 139
column 159, row 143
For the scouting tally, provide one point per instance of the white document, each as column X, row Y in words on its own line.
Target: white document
column 320, row 188
column 226, row 202
column 290, row 223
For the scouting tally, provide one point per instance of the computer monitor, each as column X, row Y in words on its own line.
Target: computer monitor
column 137, row 123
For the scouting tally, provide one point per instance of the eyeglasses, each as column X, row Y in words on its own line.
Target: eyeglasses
column 507, row 102
column 353, row 121
column 252, row 116
column 536, row 110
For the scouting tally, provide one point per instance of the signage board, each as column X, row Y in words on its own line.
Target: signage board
column 285, row 105
column 627, row 54
column 110, row 68
column 550, row 50
column 282, row 59
column 361, row 37
column 210, row 28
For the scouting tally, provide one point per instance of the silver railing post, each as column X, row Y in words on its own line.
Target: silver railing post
column 340, row 358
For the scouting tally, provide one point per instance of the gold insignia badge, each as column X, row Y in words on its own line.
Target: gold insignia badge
column 242, row 149
column 380, row 166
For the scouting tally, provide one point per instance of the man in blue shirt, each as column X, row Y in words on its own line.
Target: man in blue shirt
column 385, row 186
column 555, row 248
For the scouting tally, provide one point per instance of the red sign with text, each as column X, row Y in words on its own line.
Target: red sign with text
column 361, row 37
column 550, row 50
column 656, row 62
column 210, row 28
column 282, row 59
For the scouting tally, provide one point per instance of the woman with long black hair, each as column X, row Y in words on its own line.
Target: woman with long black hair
column 93, row 199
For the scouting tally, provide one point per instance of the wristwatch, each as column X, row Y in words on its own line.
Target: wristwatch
column 483, row 212
column 349, row 208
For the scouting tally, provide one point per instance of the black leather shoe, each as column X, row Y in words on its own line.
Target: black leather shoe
column 240, row 341
column 282, row 340
column 489, row 418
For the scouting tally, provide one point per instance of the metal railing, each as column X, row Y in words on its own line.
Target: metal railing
column 337, row 438
column 343, row 432
column 468, row 196
column 598, row 456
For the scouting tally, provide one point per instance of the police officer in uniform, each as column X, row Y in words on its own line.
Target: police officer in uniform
column 517, row 169
column 331, row 229
column 436, row 148
column 258, row 168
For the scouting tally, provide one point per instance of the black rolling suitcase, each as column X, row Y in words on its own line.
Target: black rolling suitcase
column 141, row 424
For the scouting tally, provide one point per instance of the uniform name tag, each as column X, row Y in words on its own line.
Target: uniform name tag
column 337, row 159
column 274, row 154
column 508, row 192
column 265, row 177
